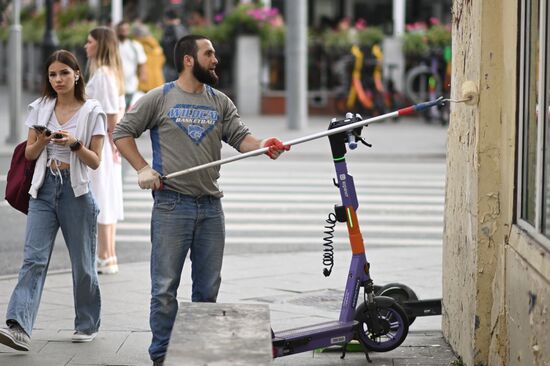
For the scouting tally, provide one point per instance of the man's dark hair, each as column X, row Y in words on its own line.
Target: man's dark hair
column 186, row 45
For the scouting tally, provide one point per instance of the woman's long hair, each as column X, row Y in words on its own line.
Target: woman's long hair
column 107, row 54
column 67, row 58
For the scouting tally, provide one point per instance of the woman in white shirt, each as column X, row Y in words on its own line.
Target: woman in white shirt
column 106, row 84
column 66, row 134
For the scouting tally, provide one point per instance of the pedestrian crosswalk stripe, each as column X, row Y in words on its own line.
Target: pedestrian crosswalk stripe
column 399, row 205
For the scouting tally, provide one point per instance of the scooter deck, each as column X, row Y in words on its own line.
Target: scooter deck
column 314, row 336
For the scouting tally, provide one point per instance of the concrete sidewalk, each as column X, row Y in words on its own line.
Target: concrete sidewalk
column 291, row 283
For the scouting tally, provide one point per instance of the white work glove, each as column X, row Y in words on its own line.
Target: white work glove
column 148, row 178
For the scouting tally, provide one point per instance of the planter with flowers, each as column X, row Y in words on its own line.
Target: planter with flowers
column 428, row 48
column 421, row 41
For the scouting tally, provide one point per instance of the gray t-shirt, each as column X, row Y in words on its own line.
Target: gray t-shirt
column 186, row 129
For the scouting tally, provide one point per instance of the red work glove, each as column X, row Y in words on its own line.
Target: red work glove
column 275, row 146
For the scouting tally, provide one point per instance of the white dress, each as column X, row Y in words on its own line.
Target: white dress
column 106, row 181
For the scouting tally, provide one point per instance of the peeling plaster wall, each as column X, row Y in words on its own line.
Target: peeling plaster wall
column 496, row 277
column 480, row 178
column 461, row 203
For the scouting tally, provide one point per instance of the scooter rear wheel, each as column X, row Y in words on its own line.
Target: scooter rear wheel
column 393, row 325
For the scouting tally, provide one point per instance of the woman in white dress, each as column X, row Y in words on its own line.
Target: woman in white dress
column 106, row 84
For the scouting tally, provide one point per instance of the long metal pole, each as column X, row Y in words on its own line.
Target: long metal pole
column 296, row 141
column 15, row 74
column 350, row 127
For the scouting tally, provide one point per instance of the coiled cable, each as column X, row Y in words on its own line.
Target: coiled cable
column 328, row 248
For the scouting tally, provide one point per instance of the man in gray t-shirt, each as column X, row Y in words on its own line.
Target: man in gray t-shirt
column 187, row 120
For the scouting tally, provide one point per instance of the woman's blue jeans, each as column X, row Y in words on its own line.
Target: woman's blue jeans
column 179, row 224
column 56, row 207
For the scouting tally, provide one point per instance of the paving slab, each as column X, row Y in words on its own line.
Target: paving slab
column 220, row 334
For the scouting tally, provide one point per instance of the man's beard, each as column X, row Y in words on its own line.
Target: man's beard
column 204, row 75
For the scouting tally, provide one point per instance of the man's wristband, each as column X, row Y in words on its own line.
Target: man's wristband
column 75, row 146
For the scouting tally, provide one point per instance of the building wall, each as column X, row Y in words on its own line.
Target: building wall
column 460, row 239
column 495, row 278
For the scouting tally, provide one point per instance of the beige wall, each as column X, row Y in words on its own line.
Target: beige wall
column 491, row 271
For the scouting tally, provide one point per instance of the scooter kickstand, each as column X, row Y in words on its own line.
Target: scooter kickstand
column 367, row 356
column 365, row 349
column 344, row 351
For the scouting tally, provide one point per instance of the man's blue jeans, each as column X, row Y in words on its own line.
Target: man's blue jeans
column 179, row 224
column 56, row 207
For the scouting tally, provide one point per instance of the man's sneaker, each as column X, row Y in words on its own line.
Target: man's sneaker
column 159, row 361
column 79, row 337
column 15, row 337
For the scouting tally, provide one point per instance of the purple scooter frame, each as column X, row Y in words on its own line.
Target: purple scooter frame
column 380, row 324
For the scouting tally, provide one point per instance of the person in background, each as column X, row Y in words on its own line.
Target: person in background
column 66, row 134
column 196, row 19
column 155, row 58
column 188, row 121
column 173, row 30
column 133, row 62
column 106, row 84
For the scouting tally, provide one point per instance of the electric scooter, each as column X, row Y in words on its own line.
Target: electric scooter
column 381, row 321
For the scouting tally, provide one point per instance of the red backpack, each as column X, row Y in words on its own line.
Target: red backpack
column 19, row 179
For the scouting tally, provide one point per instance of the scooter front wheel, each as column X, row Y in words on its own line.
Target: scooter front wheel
column 382, row 328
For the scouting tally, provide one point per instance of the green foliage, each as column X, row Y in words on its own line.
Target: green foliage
column 73, row 14
column 75, row 35
column 419, row 41
column 71, row 29
column 370, row 36
column 414, row 44
column 29, row 13
column 337, row 39
column 272, row 37
column 216, row 33
column 344, row 39
column 240, row 21
column 4, row 34
column 457, row 362
column 33, row 28
column 438, row 36
column 246, row 19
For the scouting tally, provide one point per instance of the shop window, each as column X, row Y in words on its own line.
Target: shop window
column 534, row 123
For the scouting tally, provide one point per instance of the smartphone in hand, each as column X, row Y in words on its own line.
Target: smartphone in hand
column 41, row 129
